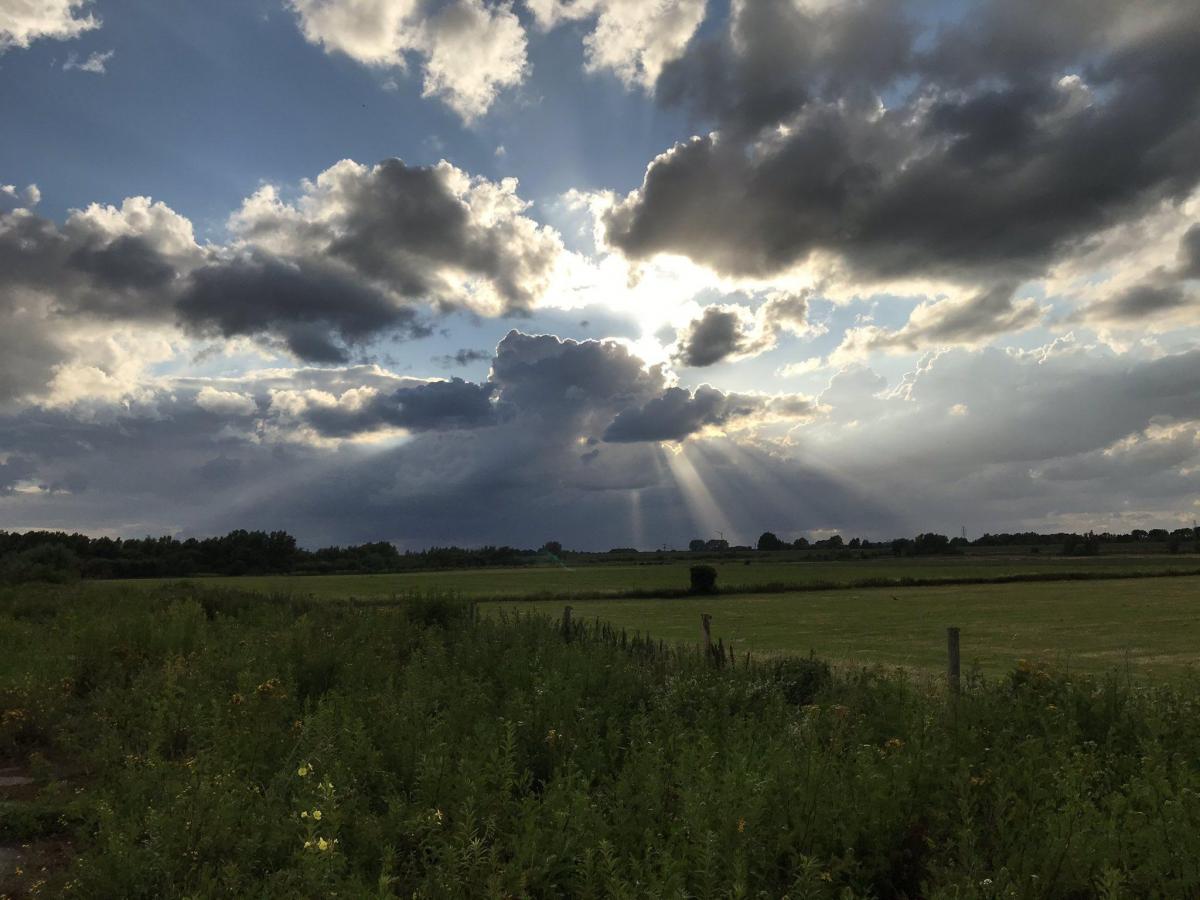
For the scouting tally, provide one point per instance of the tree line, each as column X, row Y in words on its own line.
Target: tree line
column 59, row 556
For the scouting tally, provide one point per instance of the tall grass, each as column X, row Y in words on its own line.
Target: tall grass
column 186, row 742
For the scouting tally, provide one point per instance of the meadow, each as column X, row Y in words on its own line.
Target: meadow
column 671, row 574
column 1149, row 625
column 191, row 742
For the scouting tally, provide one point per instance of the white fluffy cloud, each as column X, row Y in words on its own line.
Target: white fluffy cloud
column 634, row 39
column 25, row 21
column 469, row 50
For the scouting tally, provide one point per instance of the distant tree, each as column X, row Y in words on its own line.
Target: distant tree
column 1087, row 545
column 554, row 548
column 52, row 563
column 696, row 545
column 902, row 546
column 800, row 543
column 833, row 542
column 855, row 544
column 768, row 541
column 703, row 580
column 931, row 544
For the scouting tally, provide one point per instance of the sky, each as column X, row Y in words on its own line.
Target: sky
column 609, row 272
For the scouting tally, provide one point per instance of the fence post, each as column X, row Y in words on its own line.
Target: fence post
column 566, row 622
column 952, row 673
column 706, row 625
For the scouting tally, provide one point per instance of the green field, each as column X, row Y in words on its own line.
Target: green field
column 1153, row 623
column 658, row 576
column 1150, row 624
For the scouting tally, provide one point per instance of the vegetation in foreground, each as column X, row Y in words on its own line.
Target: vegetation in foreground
column 196, row 743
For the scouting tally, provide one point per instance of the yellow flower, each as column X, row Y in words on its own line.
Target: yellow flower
column 741, row 825
column 304, row 814
column 437, row 814
column 302, row 771
column 322, row 844
column 317, row 814
column 307, row 845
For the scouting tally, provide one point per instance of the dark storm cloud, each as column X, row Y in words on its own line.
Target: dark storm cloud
column 433, row 406
column 316, row 310
column 985, row 165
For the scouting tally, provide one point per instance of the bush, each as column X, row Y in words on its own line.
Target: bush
column 703, row 580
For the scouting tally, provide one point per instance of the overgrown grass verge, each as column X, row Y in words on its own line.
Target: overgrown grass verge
column 228, row 745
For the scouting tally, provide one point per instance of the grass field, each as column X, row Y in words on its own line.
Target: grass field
column 1094, row 625
column 587, row 579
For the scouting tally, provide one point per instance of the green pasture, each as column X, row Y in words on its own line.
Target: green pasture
column 592, row 578
column 1152, row 625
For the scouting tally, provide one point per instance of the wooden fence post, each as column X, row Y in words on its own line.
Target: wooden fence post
column 566, row 622
column 954, row 669
column 706, row 625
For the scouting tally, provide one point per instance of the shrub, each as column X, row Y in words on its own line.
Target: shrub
column 703, row 580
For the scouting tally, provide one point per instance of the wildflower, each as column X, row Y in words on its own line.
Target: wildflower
column 322, row 844
column 987, row 882
column 827, row 876
column 741, row 825
column 302, row 771
column 437, row 814
column 317, row 814
column 308, row 845
column 304, row 814
column 893, row 743
column 236, row 699
column 552, row 737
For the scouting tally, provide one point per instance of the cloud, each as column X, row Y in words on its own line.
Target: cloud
column 429, row 406
column 225, row 403
column 679, row 413
column 469, row 50
column 23, row 22
column 980, row 167
column 96, row 64
column 1189, row 253
column 974, row 320
column 432, row 233
column 565, row 439
column 365, row 253
column 731, row 332
column 633, row 39
column 463, row 357
column 317, row 311
column 1166, row 296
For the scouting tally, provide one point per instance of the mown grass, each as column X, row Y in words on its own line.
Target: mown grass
column 1152, row 624
column 658, row 577
column 183, row 743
